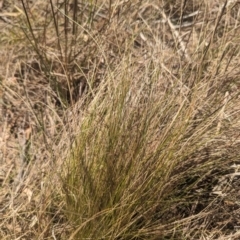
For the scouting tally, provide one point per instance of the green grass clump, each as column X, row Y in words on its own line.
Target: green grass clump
column 135, row 148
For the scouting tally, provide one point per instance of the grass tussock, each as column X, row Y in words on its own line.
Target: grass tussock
column 120, row 120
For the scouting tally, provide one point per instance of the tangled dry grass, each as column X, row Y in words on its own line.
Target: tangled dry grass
column 120, row 119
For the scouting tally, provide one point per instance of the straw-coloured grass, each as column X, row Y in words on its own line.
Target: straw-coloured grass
column 120, row 120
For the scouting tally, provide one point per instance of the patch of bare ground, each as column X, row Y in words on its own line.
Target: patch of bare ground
column 60, row 58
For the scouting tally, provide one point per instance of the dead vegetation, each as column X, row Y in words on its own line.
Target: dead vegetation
column 120, row 120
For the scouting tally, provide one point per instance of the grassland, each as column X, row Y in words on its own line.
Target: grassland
column 120, row 120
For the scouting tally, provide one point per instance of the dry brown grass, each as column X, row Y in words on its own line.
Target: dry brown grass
column 150, row 85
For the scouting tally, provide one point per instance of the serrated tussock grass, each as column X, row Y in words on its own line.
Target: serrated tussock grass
column 134, row 146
